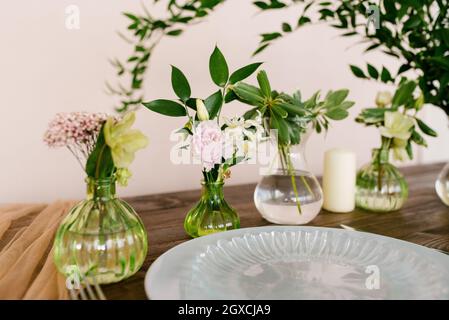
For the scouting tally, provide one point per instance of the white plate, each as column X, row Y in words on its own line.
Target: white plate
column 278, row 262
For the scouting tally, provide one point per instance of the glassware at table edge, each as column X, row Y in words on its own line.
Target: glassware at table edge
column 288, row 192
column 101, row 236
column 442, row 185
column 212, row 213
column 380, row 187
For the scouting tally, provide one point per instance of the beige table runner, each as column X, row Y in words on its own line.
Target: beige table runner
column 27, row 270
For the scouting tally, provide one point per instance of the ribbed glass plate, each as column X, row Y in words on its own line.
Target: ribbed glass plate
column 278, row 262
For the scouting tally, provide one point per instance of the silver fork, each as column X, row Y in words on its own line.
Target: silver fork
column 343, row 226
column 88, row 289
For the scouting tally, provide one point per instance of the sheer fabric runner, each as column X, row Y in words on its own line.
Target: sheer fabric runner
column 27, row 270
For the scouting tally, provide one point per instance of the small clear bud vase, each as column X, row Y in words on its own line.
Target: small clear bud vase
column 101, row 236
column 288, row 192
column 380, row 187
column 442, row 185
column 212, row 213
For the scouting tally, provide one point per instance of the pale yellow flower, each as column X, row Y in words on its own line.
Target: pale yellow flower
column 201, row 110
column 397, row 125
column 122, row 175
column 399, row 151
column 383, row 99
column 123, row 141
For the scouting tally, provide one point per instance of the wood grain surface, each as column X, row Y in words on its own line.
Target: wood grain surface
column 424, row 220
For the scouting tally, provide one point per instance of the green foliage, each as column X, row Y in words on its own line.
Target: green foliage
column 180, row 84
column 288, row 114
column 166, row 107
column 414, row 32
column 144, row 32
column 405, row 103
column 100, row 165
column 218, row 68
column 219, row 72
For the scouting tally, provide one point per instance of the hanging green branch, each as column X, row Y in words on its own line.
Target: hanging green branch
column 414, row 32
column 144, row 32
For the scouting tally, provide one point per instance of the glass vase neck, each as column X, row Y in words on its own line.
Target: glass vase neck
column 100, row 189
column 212, row 189
column 380, row 156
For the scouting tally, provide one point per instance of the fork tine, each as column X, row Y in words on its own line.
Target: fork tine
column 100, row 293
column 82, row 293
column 89, row 290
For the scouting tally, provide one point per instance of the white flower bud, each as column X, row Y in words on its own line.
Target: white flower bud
column 201, row 110
column 383, row 99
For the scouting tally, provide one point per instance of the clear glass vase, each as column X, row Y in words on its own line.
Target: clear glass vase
column 380, row 187
column 101, row 236
column 288, row 192
column 212, row 213
column 442, row 185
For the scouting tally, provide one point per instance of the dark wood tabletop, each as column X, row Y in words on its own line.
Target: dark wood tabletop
column 424, row 220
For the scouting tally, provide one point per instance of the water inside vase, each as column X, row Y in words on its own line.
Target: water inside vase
column 276, row 200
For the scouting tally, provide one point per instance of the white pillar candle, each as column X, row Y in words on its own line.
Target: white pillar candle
column 339, row 180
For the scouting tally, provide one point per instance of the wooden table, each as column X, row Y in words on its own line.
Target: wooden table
column 424, row 220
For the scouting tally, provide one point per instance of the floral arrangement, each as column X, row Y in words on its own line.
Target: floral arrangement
column 396, row 116
column 219, row 143
column 290, row 115
column 103, row 145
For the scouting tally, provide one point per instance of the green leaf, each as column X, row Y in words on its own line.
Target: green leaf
column 385, row 75
column 264, row 83
column 346, row 104
column 337, row 114
column 270, row 36
column 335, row 98
column 260, row 49
column 230, row 96
column 286, row 27
column 191, row 103
column 357, row 72
column 174, row 33
column 213, row 104
column 244, row 72
column 248, row 93
column 166, row 107
column 280, row 111
column 293, row 109
column 100, row 163
column 418, row 139
column 218, row 68
column 372, row 71
column 371, row 116
column 279, row 124
column 403, row 94
column 180, row 84
column 426, row 129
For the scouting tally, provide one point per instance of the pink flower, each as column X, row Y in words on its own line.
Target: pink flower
column 207, row 141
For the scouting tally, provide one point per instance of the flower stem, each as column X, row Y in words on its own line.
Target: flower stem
column 286, row 159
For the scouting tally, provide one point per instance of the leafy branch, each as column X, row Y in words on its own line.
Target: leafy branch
column 144, row 33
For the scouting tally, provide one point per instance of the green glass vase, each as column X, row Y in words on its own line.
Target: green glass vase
column 212, row 213
column 101, row 236
column 380, row 187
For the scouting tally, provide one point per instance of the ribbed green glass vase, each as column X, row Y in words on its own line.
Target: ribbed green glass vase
column 380, row 187
column 101, row 236
column 212, row 213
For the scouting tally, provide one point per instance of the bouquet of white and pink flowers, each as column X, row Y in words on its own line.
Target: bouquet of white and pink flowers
column 218, row 142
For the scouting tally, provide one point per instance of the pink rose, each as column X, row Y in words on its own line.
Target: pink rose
column 207, row 141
